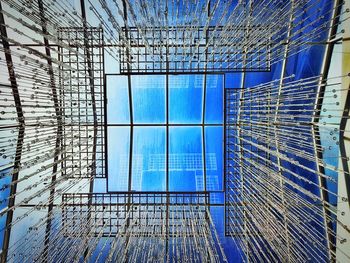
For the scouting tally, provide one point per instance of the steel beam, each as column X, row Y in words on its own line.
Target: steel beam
column 20, row 117
column 59, row 130
column 317, row 110
column 92, row 90
column 204, row 106
column 343, row 205
column 130, row 100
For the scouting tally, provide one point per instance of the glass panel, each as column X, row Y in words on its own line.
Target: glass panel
column 214, row 157
column 185, row 159
column 148, row 99
column 118, row 99
column 233, row 80
column 148, row 168
column 185, row 98
column 111, row 64
column 5, row 182
column 217, row 198
column 255, row 78
column 118, row 158
column 233, row 253
column 99, row 185
column 214, row 99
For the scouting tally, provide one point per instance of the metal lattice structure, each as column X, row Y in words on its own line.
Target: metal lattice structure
column 83, row 106
column 269, row 131
column 180, row 50
column 172, row 226
column 107, row 213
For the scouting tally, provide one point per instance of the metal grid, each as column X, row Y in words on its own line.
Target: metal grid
column 268, row 138
column 82, row 79
column 108, row 213
column 161, row 50
column 237, row 154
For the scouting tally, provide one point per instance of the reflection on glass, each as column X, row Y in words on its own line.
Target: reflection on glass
column 118, row 99
column 148, row 166
column 4, row 195
column 118, row 158
column 148, row 99
column 214, row 157
column 217, row 198
column 185, row 159
column 214, row 99
column 185, row 98
column 149, row 142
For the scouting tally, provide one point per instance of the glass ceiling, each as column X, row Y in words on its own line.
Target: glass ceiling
column 172, row 142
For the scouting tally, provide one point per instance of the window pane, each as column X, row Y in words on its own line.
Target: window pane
column 185, row 98
column 217, row 198
column 148, row 99
column 233, row 80
column 118, row 99
column 148, row 171
column 118, row 158
column 214, row 157
column 4, row 195
column 185, row 159
column 214, row 99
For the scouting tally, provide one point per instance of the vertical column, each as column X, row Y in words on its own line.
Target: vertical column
column 130, row 96
column 127, row 239
column 203, row 107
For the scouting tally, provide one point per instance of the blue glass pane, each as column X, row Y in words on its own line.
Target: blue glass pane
column 214, row 99
column 148, row 99
column 185, row 98
column 233, row 80
column 256, row 78
column 99, row 185
column 214, row 154
column 111, row 63
column 118, row 158
column 118, row 99
column 148, row 169
column 4, row 195
column 217, row 198
column 301, row 64
column 228, row 243
column 185, row 159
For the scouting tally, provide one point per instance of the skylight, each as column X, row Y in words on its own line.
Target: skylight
column 169, row 129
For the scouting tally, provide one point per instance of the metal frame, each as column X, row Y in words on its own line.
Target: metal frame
column 237, row 156
column 21, row 124
column 114, row 207
column 90, row 75
column 140, row 59
column 317, row 112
